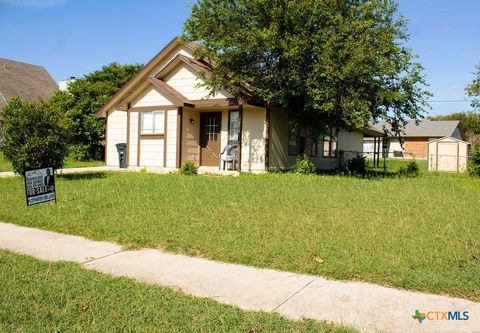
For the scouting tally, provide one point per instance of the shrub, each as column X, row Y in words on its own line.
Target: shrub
column 79, row 152
column 357, row 166
column 304, row 167
column 35, row 135
column 474, row 167
column 410, row 170
column 188, row 169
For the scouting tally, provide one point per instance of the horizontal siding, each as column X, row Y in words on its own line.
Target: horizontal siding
column 133, row 149
column 184, row 80
column 253, row 139
column 172, row 138
column 150, row 97
column 191, row 136
column 151, row 152
column 116, row 133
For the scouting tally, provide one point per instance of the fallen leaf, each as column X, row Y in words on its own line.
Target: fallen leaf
column 319, row 260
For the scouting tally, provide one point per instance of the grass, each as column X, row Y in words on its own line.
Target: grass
column 4, row 164
column 62, row 297
column 69, row 163
column 421, row 234
column 393, row 165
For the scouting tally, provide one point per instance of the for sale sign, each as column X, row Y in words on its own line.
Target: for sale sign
column 40, row 186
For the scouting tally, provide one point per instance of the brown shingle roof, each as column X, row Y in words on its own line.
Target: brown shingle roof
column 24, row 80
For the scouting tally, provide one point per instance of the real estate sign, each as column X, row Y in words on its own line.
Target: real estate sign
column 40, row 186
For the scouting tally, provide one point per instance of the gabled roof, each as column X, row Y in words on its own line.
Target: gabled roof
column 180, row 58
column 426, row 128
column 140, row 78
column 177, row 98
column 450, row 138
column 23, row 80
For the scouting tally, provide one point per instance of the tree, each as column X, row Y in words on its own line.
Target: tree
column 84, row 98
column 327, row 62
column 469, row 123
column 473, row 90
column 35, row 135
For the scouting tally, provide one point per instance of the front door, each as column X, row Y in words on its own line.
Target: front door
column 210, row 124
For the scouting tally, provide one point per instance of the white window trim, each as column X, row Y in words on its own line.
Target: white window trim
column 153, row 122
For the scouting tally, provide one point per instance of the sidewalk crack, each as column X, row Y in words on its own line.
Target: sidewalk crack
column 102, row 257
column 294, row 294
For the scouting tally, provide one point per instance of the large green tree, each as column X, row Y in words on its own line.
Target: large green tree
column 335, row 62
column 473, row 90
column 84, row 98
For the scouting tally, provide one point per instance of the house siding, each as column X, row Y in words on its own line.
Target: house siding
column 151, row 152
column 133, row 140
column 191, row 136
column 171, row 136
column 253, row 139
column 150, row 97
column 184, row 80
column 117, row 133
column 350, row 142
column 278, row 141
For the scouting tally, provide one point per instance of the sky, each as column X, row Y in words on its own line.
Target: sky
column 75, row 37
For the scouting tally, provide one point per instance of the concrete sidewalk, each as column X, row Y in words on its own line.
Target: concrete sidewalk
column 367, row 307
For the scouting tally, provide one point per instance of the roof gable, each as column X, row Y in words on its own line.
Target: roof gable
column 170, row 51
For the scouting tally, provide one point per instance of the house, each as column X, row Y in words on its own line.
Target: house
column 416, row 137
column 166, row 117
column 24, row 80
column 64, row 84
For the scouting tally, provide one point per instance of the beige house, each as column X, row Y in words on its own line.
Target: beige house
column 166, row 117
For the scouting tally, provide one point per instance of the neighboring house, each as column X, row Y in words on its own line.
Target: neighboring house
column 416, row 137
column 24, row 80
column 166, row 117
column 63, row 84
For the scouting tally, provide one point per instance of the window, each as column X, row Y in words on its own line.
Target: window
column 233, row 127
column 153, row 122
column 330, row 143
column 296, row 143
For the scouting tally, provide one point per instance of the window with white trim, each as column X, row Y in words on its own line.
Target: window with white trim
column 153, row 122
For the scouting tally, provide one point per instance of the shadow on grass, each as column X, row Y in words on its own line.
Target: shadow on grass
column 83, row 176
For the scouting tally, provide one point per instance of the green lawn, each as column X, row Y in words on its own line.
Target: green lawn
column 62, row 297
column 4, row 164
column 69, row 163
column 421, row 233
column 393, row 165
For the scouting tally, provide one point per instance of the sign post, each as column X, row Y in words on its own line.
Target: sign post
column 40, row 186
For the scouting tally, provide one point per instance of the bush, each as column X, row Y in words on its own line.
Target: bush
column 304, row 167
column 357, row 166
column 410, row 170
column 35, row 135
column 188, row 169
column 474, row 167
column 79, row 152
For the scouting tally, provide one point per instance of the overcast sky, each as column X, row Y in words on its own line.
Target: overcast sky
column 75, row 37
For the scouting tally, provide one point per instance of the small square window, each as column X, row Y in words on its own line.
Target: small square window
column 153, row 122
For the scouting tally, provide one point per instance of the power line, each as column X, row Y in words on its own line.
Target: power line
column 452, row 101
